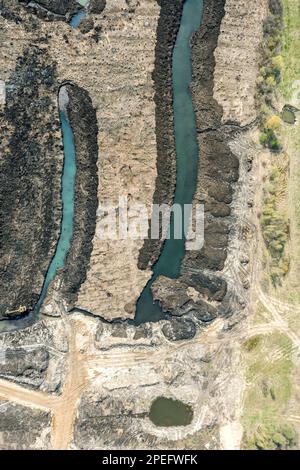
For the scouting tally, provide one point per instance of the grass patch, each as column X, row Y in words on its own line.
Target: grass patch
column 272, row 437
column 269, row 77
column 291, row 59
column 290, row 50
column 268, row 366
column 289, row 88
column 291, row 55
column 251, row 343
column 274, row 221
column 261, row 315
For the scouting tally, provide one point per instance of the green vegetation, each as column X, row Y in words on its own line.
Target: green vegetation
column 261, row 315
column 268, row 365
column 270, row 437
column 288, row 116
column 274, row 222
column 269, row 78
column 268, row 136
column 270, row 397
column 269, row 139
column 290, row 47
column 289, row 88
column 251, row 343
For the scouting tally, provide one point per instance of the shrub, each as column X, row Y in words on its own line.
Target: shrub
column 289, row 433
column 275, row 227
column 273, row 122
column 269, row 140
column 270, row 82
column 277, row 63
column 251, row 343
column 276, row 7
column 272, row 437
column 264, row 110
column 263, row 139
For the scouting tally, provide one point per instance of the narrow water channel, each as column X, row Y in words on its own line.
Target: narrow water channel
column 169, row 262
column 75, row 20
column 187, row 154
column 66, row 228
column 67, row 221
column 67, row 196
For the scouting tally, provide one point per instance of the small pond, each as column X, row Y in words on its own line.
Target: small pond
column 168, row 412
column 288, row 116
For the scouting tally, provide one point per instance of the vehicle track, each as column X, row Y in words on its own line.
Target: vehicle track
column 82, row 367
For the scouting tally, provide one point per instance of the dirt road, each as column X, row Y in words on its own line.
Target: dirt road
column 81, row 366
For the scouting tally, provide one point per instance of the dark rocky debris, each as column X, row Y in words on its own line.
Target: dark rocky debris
column 52, row 9
column 86, row 25
column 25, row 364
column 30, row 177
column 96, row 6
column 218, row 166
column 168, row 25
column 21, row 428
column 83, row 120
column 178, row 330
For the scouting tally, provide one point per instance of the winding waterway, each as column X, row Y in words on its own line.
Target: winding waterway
column 67, row 197
column 66, row 229
column 187, row 154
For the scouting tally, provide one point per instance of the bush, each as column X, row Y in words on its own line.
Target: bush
column 269, row 140
column 251, row 343
column 276, row 7
column 264, row 110
column 275, row 227
column 289, row 433
column 277, row 63
column 263, row 139
column 273, row 122
column 270, row 82
column 272, row 437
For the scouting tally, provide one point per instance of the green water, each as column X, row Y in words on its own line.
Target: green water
column 288, row 116
column 169, row 262
column 64, row 242
column 168, row 412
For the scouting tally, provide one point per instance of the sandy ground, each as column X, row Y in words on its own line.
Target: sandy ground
column 83, row 368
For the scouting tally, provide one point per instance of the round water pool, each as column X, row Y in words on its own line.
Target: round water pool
column 168, row 412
